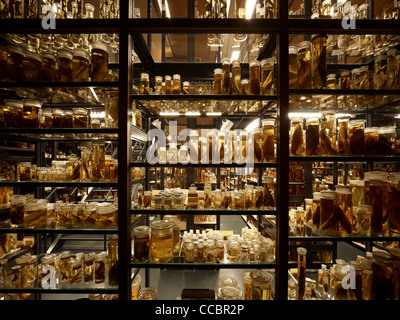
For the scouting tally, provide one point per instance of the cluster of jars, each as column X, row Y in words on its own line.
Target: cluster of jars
column 373, row 277
column 62, row 270
column 340, row 135
column 368, row 207
column 218, row 9
column 79, row 64
column 338, row 10
column 257, row 285
column 28, row 212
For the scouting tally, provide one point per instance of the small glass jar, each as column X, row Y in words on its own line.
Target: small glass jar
column 193, row 198
column 382, row 273
column 64, row 266
column 344, row 210
column 328, row 219
column 363, row 220
column 176, row 84
column 80, row 65
column 380, row 72
column 112, row 253
column 304, row 79
column 141, row 238
column 217, row 83
column 89, row 268
column 147, row 199
column 99, row 58
column 331, row 81
column 158, row 84
column 89, row 214
column 76, row 271
column 168, row 84
column 261, row 285
column 229, row 292
column 98, row 160
column 46, row 262
column 73, row 168
column 161, row 241
column 17, row 210
column 58, row 119
column 49, row 69
column 136, row 286
column 80, row 118
column 293, row 67
column 105, row 216
column 32, row 66
column 269, row 192
column 100, row 267
column 144, row 83
column 15, row 71
column 31, row 114
column 64, row 71
column 185, row 87
column 46, row 120
column 356, row 137
column 254, row 77
column 147, row 294
column 35, row 215
column 24, row 171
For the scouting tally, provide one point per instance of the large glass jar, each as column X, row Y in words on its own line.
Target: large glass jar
column 363, row 220
column 376, row 200
column 35, row 213
column 217, row 83
column 316, row 210
column 356, row 137
column 193, row 198
column 269, row 192
column 89, row 268
column 32, row 66
column 100, row 265
column 31, row 114
column 64, row 72
column 15, row 58
column 99, row 66
column 141, row 243
column 304, row 74
column 296, row 137
column 366, row 279
column 98, row 160
column 24, row 171
column 17, row 210
column 358, row 192
column 268, row 76
column 254, row 77
column 13, row 113
column 161, row 241
column 344, row 80
column 175, row 229
column 226, row 66
column 301, row 273
column 58, row 119
column 89, row 214
column 176, row 84
column 371, row 137
column 395, row 257
column 380, row 73
column 46, row 120
column 339, row 292
column 327, row 135
column 3, row 61
column 382, row 276
column 293, row 67
column 105, row 216
column 80, row 65
column 64, row 266
column 112, row 251
column 312, row 136
column 229, row 292
column 49, row 69
column 65, row 215
column 268, row 149
column 168, row 84
column 80, row 118
column 329, row 218
column 343, row 136
column 344, row 210
column 319, row 70
column 236, row 76
column 67, row 118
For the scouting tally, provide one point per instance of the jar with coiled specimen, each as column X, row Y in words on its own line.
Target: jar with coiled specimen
column 254, row 77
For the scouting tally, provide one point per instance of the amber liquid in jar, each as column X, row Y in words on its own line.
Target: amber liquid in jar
column 161, row 241
column 176, row 84
column 226, row 87
column 304, row 66
column 64, row 66
column 14, row 64
column 236, row 78
column 293, row 67
column 32, row 66
column 49, row 70
column 267, row 76
column 99, row 67
column 268, row 149
column 217, row 84
column 312, row 137
column 141, row 244
column 343, row 137
column 254, row 78
column 319, row 71
column 80, row 66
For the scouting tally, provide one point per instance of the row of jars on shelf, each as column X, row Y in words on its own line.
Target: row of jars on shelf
column 28, row 212
column 376, row 278
column 61, row 270
column 308, row 68
column 64, row 66
column 28, row 9
column 252, row 198
column 338, row 135
column 368, row 207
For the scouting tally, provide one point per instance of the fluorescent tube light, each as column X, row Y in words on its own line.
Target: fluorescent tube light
column 235, row 55
column 213, row 113
column 254, row 124
column 169, row 114
column 250, row 5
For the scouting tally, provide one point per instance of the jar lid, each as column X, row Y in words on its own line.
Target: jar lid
column 267, row 61
column 80, row 53
column 33, row 55
column 356, row 70
column 331, row 76
column 167, row 77
column 266, row 122
column 292, row 50
column 141, row 230
column 343, row 189
column 227, row 281
column 375, row 175
column 13, row 103
column 33, row 103
column 261, row 276
column 80, row 111
column 255, row 63
column 100, row 46
column 65, row 54
column 218, row 71
column 58, row 111
column 68, row 112
column 328, row 194
column 161, row 224
column 226, row 60
column 303, row 44
column 236, row 63
column 345, row 72
column 144, row 75
column 176, row 76
column 49, row 56
column 358, row 183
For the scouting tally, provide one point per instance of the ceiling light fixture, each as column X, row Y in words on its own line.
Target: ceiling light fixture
column 250, row 5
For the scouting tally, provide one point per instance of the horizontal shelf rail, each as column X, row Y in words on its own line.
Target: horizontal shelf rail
column 217, row 97
column 204, row 165
column 345, row 158
column 197, row 265
column 58, row 231
column 57, row 130
column 39, row 84
column 203, row 212
column 65, row 184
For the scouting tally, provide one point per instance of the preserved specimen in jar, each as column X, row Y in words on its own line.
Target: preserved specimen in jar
column 99, row 66
column 254, row 77
column 293, row 67
column 64, row 72
column 319, row 70
column 304, row 77
column 32, row 66
column 236, row 76
column 267, row 76
column 356, row 140
column 312, row 136
column 343, row 136
column 80, row 65
column 296, row 137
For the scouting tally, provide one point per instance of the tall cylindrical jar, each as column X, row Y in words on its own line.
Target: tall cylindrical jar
column 112, row 253
column 268, row 76
column 328, row 219
column 99, row 58
column 319, row 70
column 254, row 77
column 304, row 74
column 161, row 243
column 293, row 67
column 301, row 273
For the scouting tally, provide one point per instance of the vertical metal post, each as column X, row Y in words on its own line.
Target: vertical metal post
column 283, row 125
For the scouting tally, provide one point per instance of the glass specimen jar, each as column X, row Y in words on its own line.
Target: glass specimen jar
column 3, row 62
column 175, row 230
column 136, row 286
column 343, row 136
column 207, row 196
column 76, row 271
column 144, row 83
column 35, row 213
column 99, row 58
column 331, row 81
column 296, row 137
column 339, row 292
column 32, row 66
column 259, row 197
column 176, row 84
column 158, row 84
column 395, row 257
column 161, row 241
column 15, row 58
column 382, row 276
column 268, row 149
column 312, row 136
column 366, row 279
column 46, row 262
column 319, row 69
column 329, row 218
column 364, row 78
column 89, row 267
column 80, row 65
column 13, row 113
column 371, row 137
column 239, row 200
column 57, row 119
column 229, row 292
column 358, row 192
column 147, row 199
column 138, row 118
column 254, row 77
column 105, row 216
column 89, row 214
column 308, row 211
column 260, row 285
column 141, row 243
column 65, row 215
column 356, row 137
column 380, row 73
column 98, row 160
column 24, row 171
column 236, row 77
column 168, row 84
column 31, row 113
column 193, row 198
column 326, row 8
column 327, row 135
column 217, row 83
column 304, row 75
column 64, row 71
column 293, row 67
column 258, row 143
column 344, row 210
column 268, row 76
column 355, row 78
column 226, row 67
column 64, row 265
column 100, row 265
column 147, row 294
column 185, row 87
column 376, row 200
column 67, row 118
column 344, row 80
column 112, row 252
column 368, row 177
column 363, row 220
column 269, row 191
column 394, row 202
column 17, row 210
column 114, row 170
column 301, row 273
column 80, row 118
column 86, row 163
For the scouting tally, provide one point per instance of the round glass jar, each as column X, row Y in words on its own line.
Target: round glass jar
column 46, row 120
column 17, row 210
column 112, row 254
column 229, row 292
column 260, row 285
column 136, row 286
column 31, row 113
column 15, row 71
column 105, row 216
column 161, row 241
column 80, row 118
column 13, row 113
column 35, row 213
column 356, row 137
column 176, row 84
column 64, row 71
column 80, row 65
column 141, row 243
column 49, row 69
column 147, row 294
column 99, row 66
